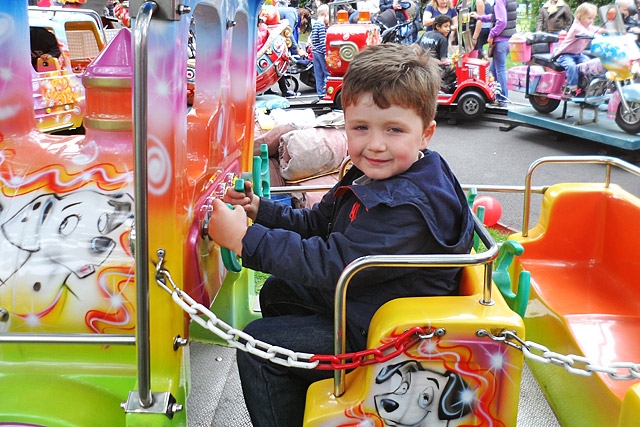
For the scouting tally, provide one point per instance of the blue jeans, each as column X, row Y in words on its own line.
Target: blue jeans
column 320, row 71
column 499, row 67
column 295, row 318
column 570, row 61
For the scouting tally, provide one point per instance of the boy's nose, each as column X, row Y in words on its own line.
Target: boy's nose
column 377, row 143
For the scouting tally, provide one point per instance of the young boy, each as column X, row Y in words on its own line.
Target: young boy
column 436, row 41
column 318, row 38
column 398, row 198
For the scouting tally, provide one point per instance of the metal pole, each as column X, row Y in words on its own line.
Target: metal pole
column 141, row 33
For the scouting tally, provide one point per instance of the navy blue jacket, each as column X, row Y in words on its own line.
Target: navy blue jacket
column 421, row 211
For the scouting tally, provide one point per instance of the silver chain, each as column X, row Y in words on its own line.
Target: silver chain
column 574, row 364
column 234, row 337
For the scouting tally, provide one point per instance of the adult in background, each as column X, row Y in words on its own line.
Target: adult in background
column 629, row 14
column 475, row 27
column 485, row 28
column 504, row 26
column 554, row 16
column 439, row 7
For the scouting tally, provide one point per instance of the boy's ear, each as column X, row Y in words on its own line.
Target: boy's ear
column 427, row 134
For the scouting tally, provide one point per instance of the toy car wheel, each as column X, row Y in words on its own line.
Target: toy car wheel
column 291, row 83
column 471, row 105
column 629, row 120
column 337, row 101
column 543, row 105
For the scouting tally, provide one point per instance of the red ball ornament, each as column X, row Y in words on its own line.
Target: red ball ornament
column 492, row 209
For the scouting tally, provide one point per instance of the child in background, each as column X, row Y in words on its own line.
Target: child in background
column 318, row 39
column 436, row 41
column 398, row 198
column 569, row 52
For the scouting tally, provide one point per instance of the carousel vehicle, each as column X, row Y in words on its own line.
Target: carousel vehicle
column 108, row 273
column 58, row 93
column 583, row 295
column 608, row 80
column 470, row 92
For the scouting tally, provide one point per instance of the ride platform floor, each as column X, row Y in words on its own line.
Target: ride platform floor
column 216, row 398
column 602, row 130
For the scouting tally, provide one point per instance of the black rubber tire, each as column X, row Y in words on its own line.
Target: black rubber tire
column 629, row 122
column 292, row 83
column 542, row 104
column 309, row 78
column 337, row 101
column 471, row 105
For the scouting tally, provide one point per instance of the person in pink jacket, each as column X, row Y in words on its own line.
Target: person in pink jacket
column 569, row 52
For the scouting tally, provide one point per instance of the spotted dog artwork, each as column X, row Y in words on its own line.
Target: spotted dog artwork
column 444, row 382
column 421, row 397
column 56, row 249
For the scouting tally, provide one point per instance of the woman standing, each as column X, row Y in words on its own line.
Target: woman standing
column 554, row 16
column 504, row 26
column 439, row 7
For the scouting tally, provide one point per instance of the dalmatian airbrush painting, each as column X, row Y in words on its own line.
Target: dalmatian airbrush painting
column 418, row 397
column 52, row 245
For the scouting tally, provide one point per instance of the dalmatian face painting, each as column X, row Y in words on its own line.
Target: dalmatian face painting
column 418, row 397
column 52, row 243
column 72, row 231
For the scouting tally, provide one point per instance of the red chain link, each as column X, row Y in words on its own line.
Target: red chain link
column 369, row 356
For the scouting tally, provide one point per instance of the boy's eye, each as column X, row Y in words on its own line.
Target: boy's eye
column 395, row 130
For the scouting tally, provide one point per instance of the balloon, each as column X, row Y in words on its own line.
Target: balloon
column 492, row 209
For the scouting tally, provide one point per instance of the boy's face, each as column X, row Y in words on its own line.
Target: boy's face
column 444, row 29
column 384, row 143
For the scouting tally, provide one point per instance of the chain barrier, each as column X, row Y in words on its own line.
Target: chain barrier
column 282, row 356
column 572, row 363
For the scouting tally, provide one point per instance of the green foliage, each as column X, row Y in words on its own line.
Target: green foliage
column 260, row 278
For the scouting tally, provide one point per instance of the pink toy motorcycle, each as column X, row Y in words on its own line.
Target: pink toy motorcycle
column 608, row 78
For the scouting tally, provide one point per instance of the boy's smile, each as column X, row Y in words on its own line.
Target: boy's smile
column 384, row 142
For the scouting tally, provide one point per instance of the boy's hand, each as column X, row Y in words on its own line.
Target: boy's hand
column 473, row 15
column 227, row 226
column 249, row 201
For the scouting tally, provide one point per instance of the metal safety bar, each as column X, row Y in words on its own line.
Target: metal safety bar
column 451, row 260
column 57, row 11
column 603, row 160
column 114, row 339
column 141, row 53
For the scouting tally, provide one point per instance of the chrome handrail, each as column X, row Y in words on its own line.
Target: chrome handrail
column 604, row 160
column 94, row 339
column 141, row 52
column 449, row 260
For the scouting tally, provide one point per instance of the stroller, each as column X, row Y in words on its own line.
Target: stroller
column 303, row 69
column 395, row 30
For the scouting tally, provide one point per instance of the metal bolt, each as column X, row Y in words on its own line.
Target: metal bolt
column 182, row 9
column 179, row 342
column 4, row 315
column 230, row 23
column 175, row 407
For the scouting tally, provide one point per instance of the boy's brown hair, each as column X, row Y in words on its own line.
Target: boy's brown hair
column 394, row 74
